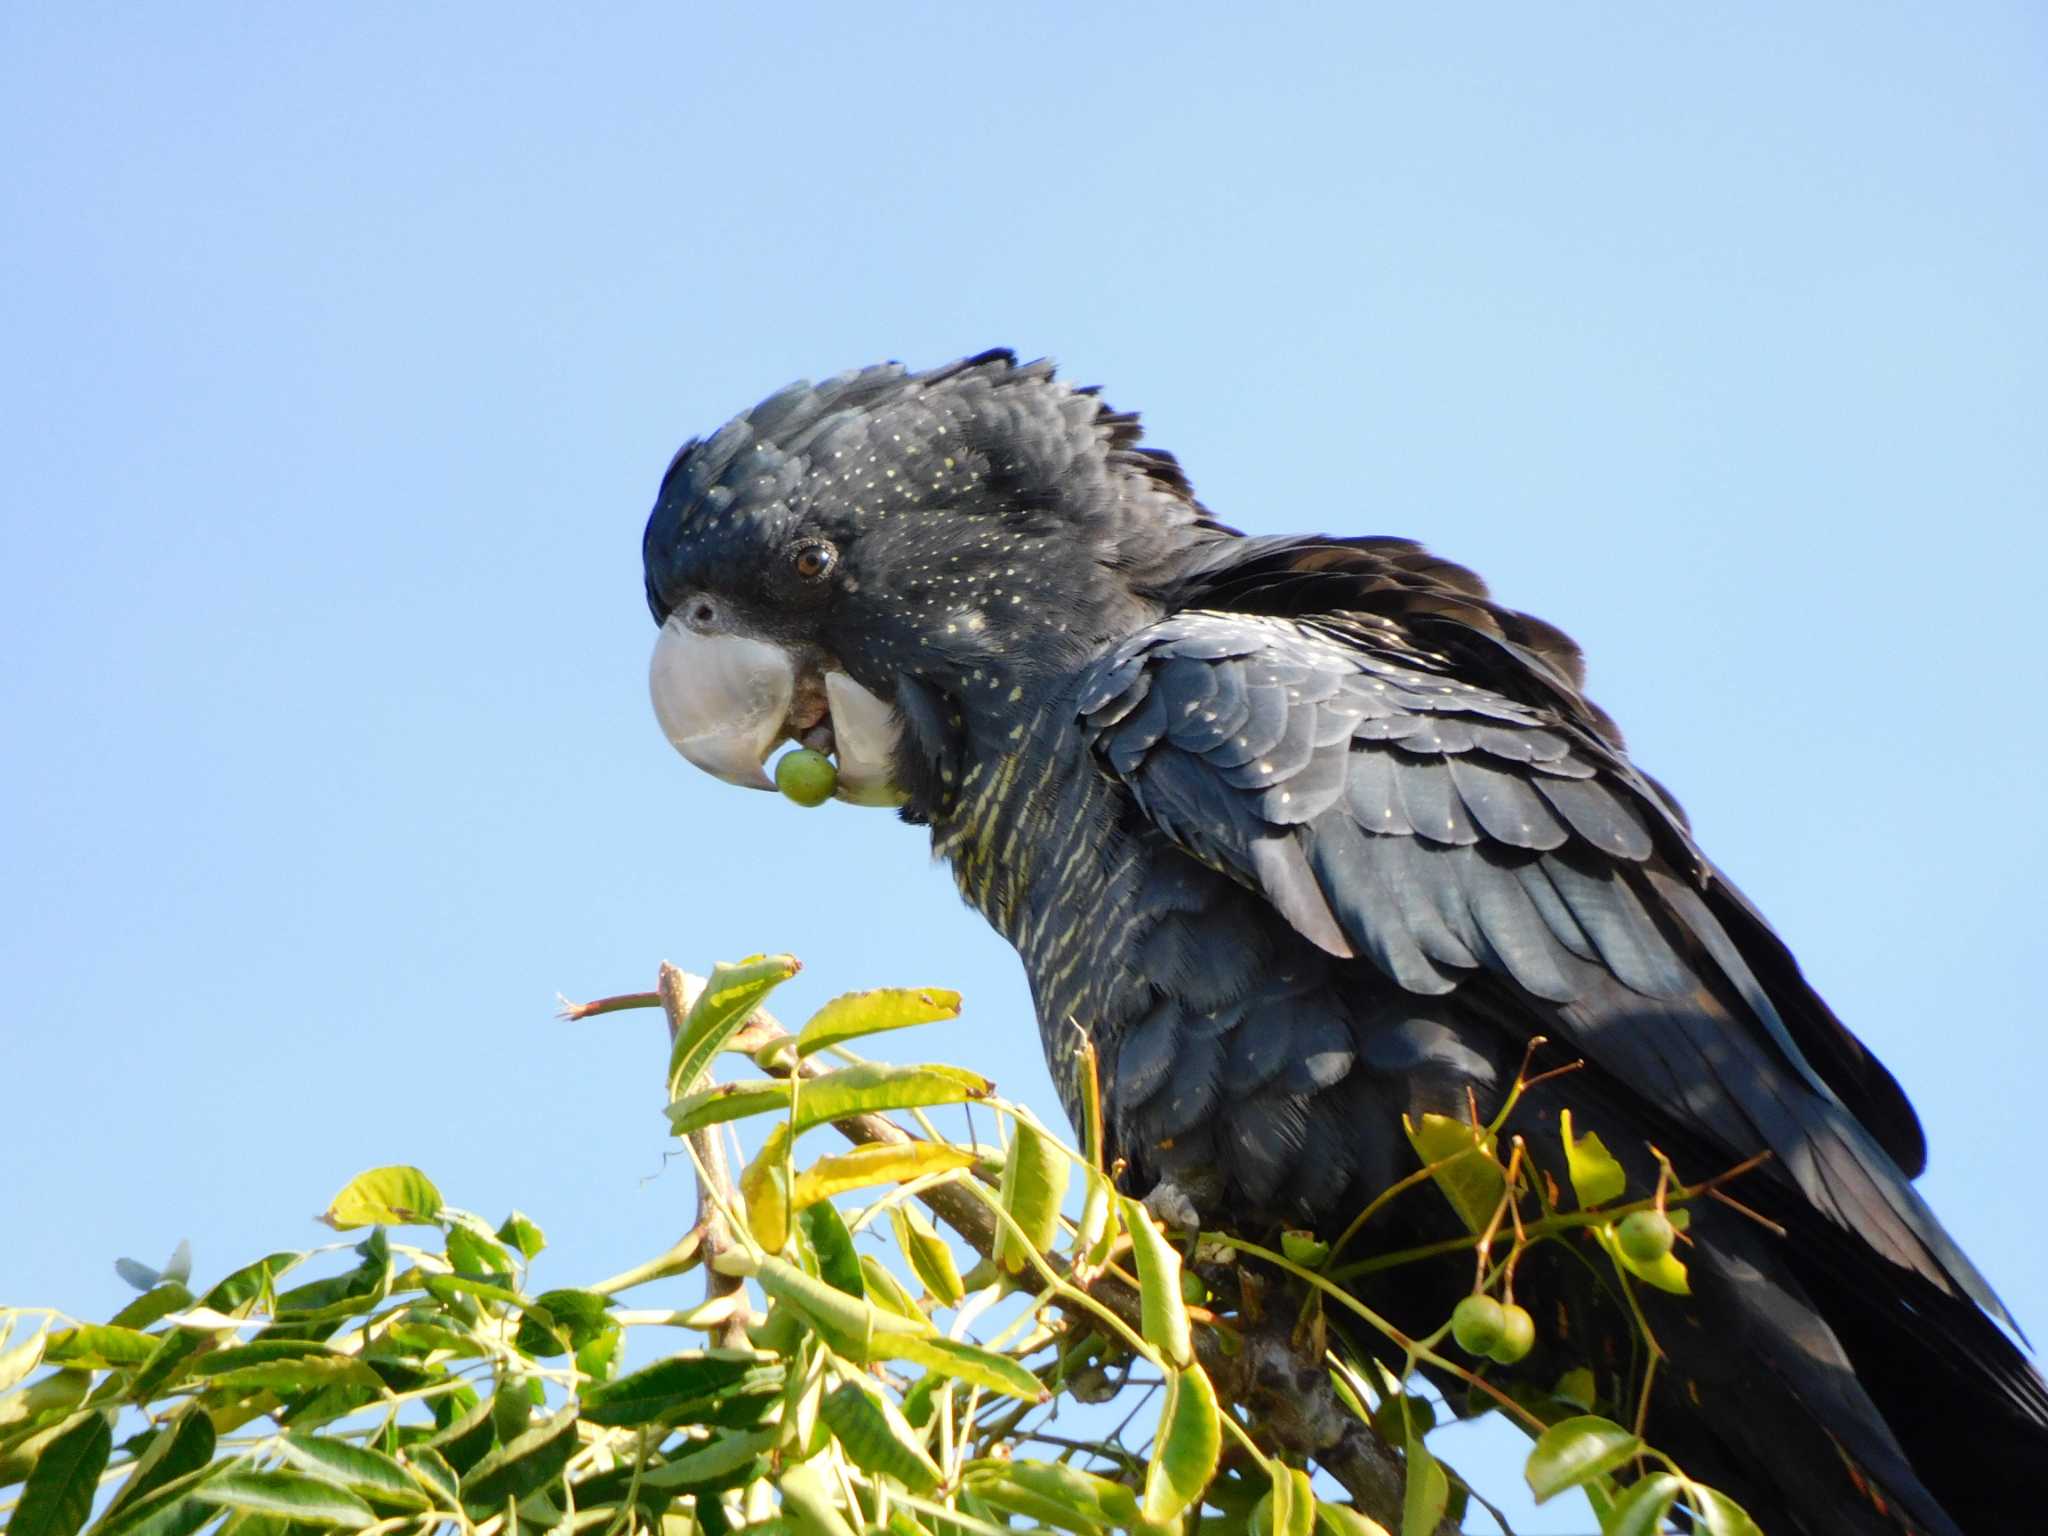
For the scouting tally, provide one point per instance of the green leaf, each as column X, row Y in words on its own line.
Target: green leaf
column 726, row 1101
column 1034, row 1184
column 648, row 1395
column 307, row 1373
column 1596, row 1176
column 1343, row 1520
column 1186, row 1448
column 885, row 1289
column 150, row 1307
column 172, row 1510
column 431, row 1473
column 98, row 1347
column 250, row 1284
column 831, row 1244
column 1469, row 1176
column 1666, row 1272
column 357, row 1468
column 848, row 1323
column 1576, row 1451
column 873, row 1087
column 183, row 1444
column 879, row 1162
column 1289, row 1507
column 556, row 1322
column 1163, row 1313
column 1719, row 1514
column 929, row 1255
column 58, row 1494
column 718, row 1463
column 876, row 1438
column 869, row 1013
column 1641, row 1509
column 291, row 1495
column 732, row 993
column 519, row 1231
column 396, row 1196
column 1052, row 1492
column 529, row 1462
column 1427, row 1490
column 807, row 1505
column 462, row 1442
column 970, row 1363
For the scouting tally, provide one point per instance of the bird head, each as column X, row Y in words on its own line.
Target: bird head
column 889, row 547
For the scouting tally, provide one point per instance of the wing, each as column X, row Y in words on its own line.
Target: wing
column 1457, row 834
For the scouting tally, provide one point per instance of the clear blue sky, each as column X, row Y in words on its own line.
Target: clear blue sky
column 344, row 346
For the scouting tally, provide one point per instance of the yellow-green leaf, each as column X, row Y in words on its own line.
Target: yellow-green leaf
column 1052, row 1492
column 764, row 1183
column 870, row 1013
column 807, row 1506
column 930, row 1256
column 965, row 1362
column 879, row 1162
column 1666, row 1272
column 1718, row 1514
column 873, row 1087
column 885, row 1289
column 1641, row 1509
column 1289, row 1507
column 729, row 996
column 1461, row 1161
column 1426, row 1494
column 1163, row 1312
column 1343, row 1520
column 876, row 1437
column 1186, row 1448
column 1596, row 1176
column 97, row 1347
column 726, row 1101
column 1034, row 1183
column 851, row 1325
column 395, row 1196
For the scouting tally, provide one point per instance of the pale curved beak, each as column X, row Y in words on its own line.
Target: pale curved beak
column 864, row 731
column 722, row 700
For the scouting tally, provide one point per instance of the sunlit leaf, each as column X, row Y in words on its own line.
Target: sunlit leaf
column 1163, row 1313
column 558, row 1321
column 432, row 1474
column 930, row 1255
column 1052, row 1492
column 1289, row 1507
column 291, row 1495
column 869, row 1013
column 395, row 1196
column 1426, row 1493
column 719, row 1012
column 874, row 1087
column 58, row 1493
column 879, row 1162
column 1343, row 1520
column 764, row 1185
column 848, row 1323
column 152, row 1306
column 970, row 1363
column 806, row 1504
column 1577, row 1451
column 357, row 1468
column 885, row 1289
column 520, row 1232
column 1666, row 1272
column 1462, row 1163
column 1596, row 1176
column 1034, row 1184
column 97, row 1347
column 715, row 1464
column 726, row 1101
column 1187, row 1446
column 830, row 1244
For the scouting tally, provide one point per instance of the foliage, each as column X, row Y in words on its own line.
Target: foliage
column 921, row 1335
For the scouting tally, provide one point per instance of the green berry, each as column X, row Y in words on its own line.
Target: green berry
column 1517, row 1338
column 806, row 777
column 1645, row 1236
column 1478, row 1324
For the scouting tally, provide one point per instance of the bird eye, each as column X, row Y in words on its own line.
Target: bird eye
column 815, row 560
